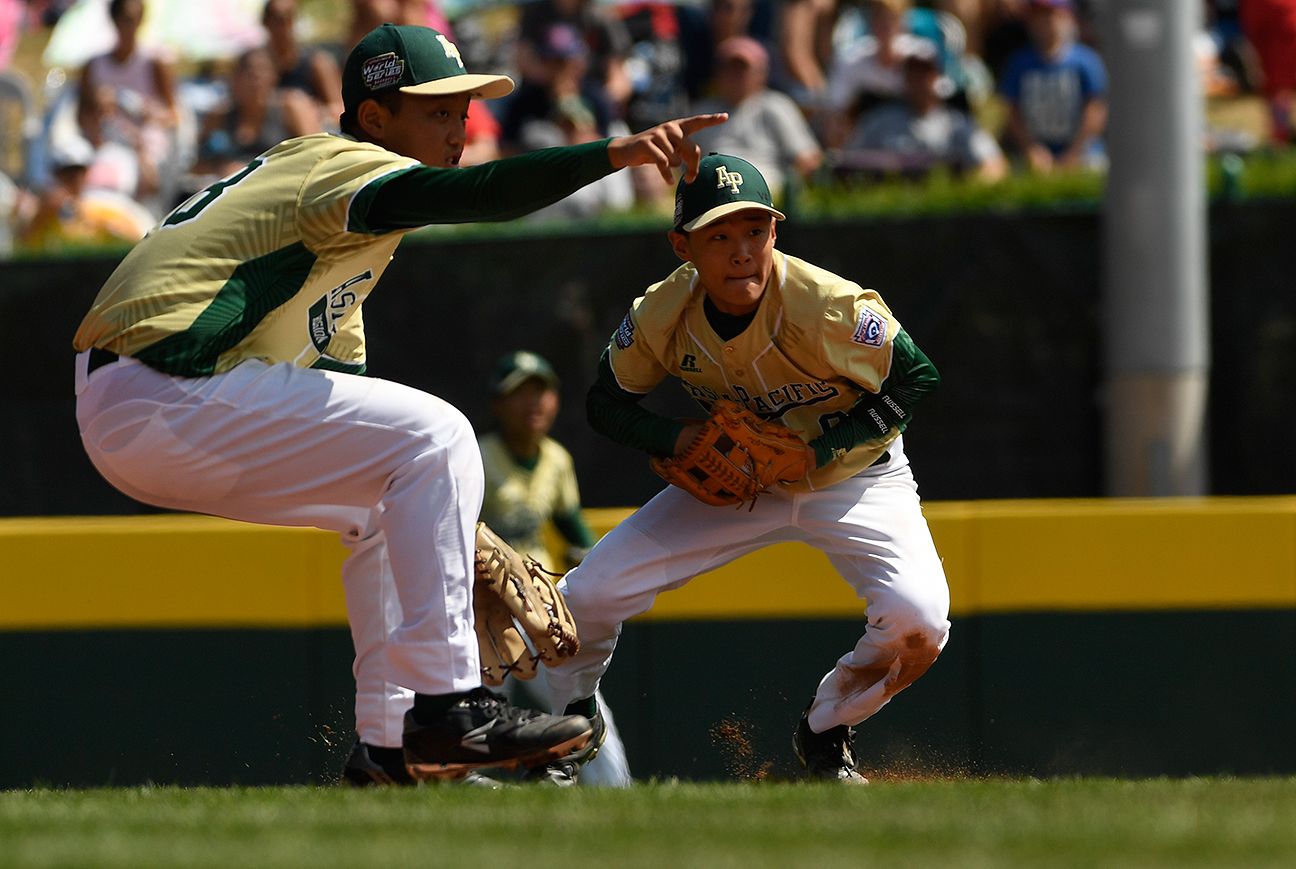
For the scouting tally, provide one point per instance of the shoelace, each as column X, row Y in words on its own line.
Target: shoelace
column 497, row 707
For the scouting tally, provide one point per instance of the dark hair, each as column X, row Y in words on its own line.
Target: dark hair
column 389, row 99
column 115, row 7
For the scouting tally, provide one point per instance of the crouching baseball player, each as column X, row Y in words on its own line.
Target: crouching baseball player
column 810, row 381
column 219, row 371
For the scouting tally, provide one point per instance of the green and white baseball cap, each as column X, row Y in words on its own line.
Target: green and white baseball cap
column 514, row 369
column 414, row 60
column 724, row 184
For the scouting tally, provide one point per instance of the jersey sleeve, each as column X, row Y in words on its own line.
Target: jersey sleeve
column 892, row 372
column 497, row 190
column 630, row 355
column 857, row 334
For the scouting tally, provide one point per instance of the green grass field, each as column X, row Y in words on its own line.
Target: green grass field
column 1077, row 822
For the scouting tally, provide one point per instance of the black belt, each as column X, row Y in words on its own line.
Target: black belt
column 99, row 358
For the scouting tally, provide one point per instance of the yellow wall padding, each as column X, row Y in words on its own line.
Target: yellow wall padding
column 1000, row 556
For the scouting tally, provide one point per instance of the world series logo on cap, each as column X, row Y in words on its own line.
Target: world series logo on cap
column 382, row 71
column 725, row 178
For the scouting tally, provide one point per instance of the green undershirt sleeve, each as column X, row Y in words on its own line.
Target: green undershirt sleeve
column 573, row 528
column 616, row 414
column 912, row 376
column 498, row 190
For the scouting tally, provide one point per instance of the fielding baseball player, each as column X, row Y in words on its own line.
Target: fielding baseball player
column 742, row 325
column 219, row 371
column 531, row 480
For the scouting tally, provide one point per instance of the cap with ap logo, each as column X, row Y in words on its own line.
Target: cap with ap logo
column 724, row 184
column 415, row 60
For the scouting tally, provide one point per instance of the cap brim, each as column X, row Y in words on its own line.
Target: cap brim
column 708, row 217
column 486, row 87
column 514, row 379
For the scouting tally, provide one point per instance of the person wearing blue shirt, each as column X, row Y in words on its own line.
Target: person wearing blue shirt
column 1057, row 90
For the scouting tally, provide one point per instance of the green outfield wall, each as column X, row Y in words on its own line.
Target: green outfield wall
column 1118, row 637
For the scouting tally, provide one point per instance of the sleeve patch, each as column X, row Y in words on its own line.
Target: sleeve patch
column 870, row 330
column 624, row 335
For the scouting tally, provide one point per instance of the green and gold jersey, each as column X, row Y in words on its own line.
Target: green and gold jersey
column 273, row 262
column 817, row 343
column 520, row 500
column 262, row 264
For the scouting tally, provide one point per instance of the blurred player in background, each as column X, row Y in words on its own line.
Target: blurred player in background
column 531, row 483
column 797, row 345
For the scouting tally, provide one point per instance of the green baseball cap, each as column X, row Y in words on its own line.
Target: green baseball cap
column 724, row 184
column 513, row 370
column 415, row 60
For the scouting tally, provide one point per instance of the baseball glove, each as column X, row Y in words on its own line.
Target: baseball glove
column 510, row 591
column 736, row 456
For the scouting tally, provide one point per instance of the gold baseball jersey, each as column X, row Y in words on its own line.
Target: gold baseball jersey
column 262, row 264
column 519, row 500
column 817, row 343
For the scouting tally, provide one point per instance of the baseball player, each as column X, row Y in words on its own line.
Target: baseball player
column 530, row 480
column 219, row 371
column 802, row 346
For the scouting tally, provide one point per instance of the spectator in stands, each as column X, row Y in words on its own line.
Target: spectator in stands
column 11, row 20
column 368, row 14
column 1056, row 89
column 258, row 116
column 702, row 31
column 572, row 123
column 1003, row 33
column 1270, row 26
column 144, row 89
column 870, row 72
column 312, row 71
column 557, row 75
column 66, row 215
column 803, row 33
column 118, row 162
column 765, row 127
column 922, row 132
column 606, row 43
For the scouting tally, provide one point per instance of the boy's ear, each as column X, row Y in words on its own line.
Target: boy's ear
column 371, row 117
column 679, row 244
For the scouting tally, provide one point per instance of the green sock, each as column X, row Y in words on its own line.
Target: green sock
column 587, row 707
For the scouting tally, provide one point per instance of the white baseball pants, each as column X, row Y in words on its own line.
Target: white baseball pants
column 871, row 528
column 395, row 471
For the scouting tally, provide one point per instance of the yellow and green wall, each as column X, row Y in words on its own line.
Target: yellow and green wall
column 1126, row 637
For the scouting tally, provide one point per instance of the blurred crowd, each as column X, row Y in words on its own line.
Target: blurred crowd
column 848, row 90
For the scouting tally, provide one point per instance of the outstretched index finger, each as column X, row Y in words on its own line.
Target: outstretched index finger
column 701, row 122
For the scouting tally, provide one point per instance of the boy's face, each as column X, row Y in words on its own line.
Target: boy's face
column 1050, row 26
column 529, row 411
column 428, row 128
column 733, row 257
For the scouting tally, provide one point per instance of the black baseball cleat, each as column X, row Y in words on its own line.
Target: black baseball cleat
column 827, row 756
column 368, row 766
column 484, row 731
column 565, row 771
